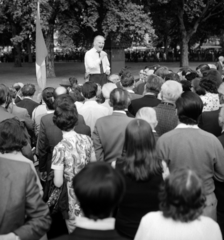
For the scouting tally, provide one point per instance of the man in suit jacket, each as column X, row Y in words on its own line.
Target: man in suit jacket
column 98, row 208
column 152, row 88
column 166, row 110
column 128, row 83
column 28, row 91
column 109, row 133
column 23, row 214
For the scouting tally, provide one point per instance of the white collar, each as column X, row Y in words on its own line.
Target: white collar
column 68, row 134
column 50, row 111
column 90, row 102
column 101, row 224
column 119, row 111
column 130, row 90
column 27, row 97
column 183, row 125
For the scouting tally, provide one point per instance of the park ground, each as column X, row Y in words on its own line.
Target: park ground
column 26, row 74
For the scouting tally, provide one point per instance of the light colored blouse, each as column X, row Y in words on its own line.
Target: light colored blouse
column 154, row 226
column 210, row 101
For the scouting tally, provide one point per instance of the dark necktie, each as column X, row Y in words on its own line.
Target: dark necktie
column 101, row 64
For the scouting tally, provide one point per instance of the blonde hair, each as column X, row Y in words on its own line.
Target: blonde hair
column 171, row 91
column 149, row 115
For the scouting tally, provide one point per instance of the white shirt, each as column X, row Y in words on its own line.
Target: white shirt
column 154, row 226
column 91, row 111
column 92, row 62
column 107, row 105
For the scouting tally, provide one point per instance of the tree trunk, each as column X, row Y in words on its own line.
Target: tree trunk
column 18, row 56
column 184, row 61
column 50, row 49
column 30, row 57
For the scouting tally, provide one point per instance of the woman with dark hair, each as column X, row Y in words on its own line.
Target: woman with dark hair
column 182, row 201
column 14, row 143
column 71, row 155
column 143, row 173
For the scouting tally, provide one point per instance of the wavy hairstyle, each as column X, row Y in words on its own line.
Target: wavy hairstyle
column 182, row 197
column 139, row 152
column 65, row 114
column 12, row 135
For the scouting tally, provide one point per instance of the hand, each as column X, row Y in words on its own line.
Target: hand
column 43, row 176
column 108, row 72
column 103, row 55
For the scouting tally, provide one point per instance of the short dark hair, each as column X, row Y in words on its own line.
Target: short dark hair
column 162, row 71
column 99, row 189
column 65, row 114
column 127, row 80
column 73, row 80
column 28, row 90
column 172, row 76
column 12, row 92
column 4, row 94
column 186, row 85
column 12, row 135
column 89, row 90
column 182, row 197
column 153, row 83
column 77, row 95
column 47, row 96
column 119, row 99
column 139, row 152
column 189, row 107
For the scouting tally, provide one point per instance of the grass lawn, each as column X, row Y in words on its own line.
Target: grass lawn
column 26, row 74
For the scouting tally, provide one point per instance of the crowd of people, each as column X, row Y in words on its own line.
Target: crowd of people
column 123, row 158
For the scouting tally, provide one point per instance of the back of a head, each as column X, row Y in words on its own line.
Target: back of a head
column 28, row 90
column 114, row 78
column 65, row 114
column 189, row 107
column 59, row 91
column 172, row 76
column 182, row 197
column 47, row 96
column 171, row 90
column 99, row 189
column 12, row 92
column 140, row 158
column 153, row 84
column 162, row 71
column 127, row 80
column 119, row 99
column 4, row 93
column 89, row 90
column 107, row 89
column 149, row 115
column 214, row 76
column 12, row 135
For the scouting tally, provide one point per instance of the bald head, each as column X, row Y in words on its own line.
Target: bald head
column 98, row 42
column 59, row 91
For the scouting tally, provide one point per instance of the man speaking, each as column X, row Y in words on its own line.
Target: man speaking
column 96, row 62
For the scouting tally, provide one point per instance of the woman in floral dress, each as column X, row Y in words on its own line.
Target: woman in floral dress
column 70, row 155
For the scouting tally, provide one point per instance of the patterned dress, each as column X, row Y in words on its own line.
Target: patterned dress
column 71, row 155
column 210, row 102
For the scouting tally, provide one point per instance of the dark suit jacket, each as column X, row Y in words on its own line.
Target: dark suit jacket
column 22, row 115
column 4, row 114
column 22, row 210
column 145, row 101
column 167, row 118
column 49, row 136
column 108, row 136
column 134, row 96
column 87, row 234
column 29, row 104
column 209, row 122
